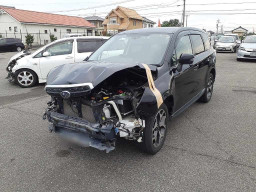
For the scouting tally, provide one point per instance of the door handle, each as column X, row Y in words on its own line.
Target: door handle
column 34, row 63
column 69, row 57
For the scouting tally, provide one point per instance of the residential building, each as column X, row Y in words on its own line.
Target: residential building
column 147, row 23
column 240, row 31
column 97, row 22
column 18, row 23
column 121, row 19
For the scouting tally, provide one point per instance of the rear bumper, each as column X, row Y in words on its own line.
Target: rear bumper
column 83, row 132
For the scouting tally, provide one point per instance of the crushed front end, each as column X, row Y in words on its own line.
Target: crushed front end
column 97, row 116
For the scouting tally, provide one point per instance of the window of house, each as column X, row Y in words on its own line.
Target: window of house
column 10, row 28
column 15, row 29
column 113, row 21
column 68, row 30
column 55, row 30
column 134, row 23
column 45, row 31
column 198, row 45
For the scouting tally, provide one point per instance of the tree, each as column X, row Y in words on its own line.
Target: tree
column 171, row 23
column 1, row 36
column 29, row 40
column 53, row 38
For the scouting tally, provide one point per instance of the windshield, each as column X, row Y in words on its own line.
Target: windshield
column 145, row 48
column 227, row 39
column 250, row 39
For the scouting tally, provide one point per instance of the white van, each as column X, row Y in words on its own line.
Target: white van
column 27, row 69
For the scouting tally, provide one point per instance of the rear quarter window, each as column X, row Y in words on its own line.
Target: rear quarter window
column 88, row 45
column 197, row 44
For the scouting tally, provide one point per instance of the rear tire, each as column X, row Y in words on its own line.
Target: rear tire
column 19, row 49
column 206, row 97
column 26, row 78
column 155, row 131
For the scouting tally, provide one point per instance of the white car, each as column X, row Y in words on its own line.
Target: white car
column 226, row 44
column 27, row 69
column 247, row 49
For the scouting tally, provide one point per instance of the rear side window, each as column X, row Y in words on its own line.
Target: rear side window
column 88, row 45
column 206, row 41
column 197, row 42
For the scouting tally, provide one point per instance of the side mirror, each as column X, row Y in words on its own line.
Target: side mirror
column 46, row 54
column 186, row 59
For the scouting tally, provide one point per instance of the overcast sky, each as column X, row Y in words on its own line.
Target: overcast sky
column 201, row 16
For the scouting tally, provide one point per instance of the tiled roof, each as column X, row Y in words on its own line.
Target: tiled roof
column 25, row 16
column 94, row 18
column 130, row 13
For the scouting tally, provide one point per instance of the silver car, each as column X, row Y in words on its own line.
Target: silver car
column 247, row 49
column 226, row 44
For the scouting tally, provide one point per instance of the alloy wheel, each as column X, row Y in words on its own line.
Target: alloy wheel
column 210, row 86
column 19, row 49
column 159, row 128
column 25, row 78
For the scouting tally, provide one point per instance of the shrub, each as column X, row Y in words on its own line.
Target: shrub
column 53, row 38
column 29, row 40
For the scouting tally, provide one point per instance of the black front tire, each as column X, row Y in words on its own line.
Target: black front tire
column 155, row 131
column 206, row 97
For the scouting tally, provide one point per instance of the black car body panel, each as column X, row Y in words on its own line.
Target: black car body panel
column 10, row 44
column 140, row 88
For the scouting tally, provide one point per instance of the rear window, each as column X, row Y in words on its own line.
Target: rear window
column 197, row 42
column 88, row 45
column 207, row 45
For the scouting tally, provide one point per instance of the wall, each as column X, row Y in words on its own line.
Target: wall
column 37, row 30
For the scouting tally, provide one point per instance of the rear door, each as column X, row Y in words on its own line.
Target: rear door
column 201, row 60
column 60, row 53
column 185, row 80
column 85, row 47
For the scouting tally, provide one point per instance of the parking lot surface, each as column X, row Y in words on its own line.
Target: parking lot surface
column 209, row 147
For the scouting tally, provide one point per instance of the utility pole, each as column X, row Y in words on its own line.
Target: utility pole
column 184, row 13
column 187, row 20
column 217, row 25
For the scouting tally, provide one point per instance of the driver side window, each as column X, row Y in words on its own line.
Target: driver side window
column 183, row 46
column 62, row 48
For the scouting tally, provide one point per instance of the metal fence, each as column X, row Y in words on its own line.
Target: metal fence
column 39, row 38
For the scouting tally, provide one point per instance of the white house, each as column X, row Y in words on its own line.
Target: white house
column 18, row 23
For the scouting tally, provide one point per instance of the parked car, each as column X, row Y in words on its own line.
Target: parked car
column 73, row 35
column 130, row 87
column 238, row 40
column 11, row 44
column 226, row 44
column 247, row 49
column 27, row 69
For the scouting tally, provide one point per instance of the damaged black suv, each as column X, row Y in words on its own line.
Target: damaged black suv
column 130, row 87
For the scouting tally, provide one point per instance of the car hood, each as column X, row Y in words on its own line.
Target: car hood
column 224, row 44
column 248, row 45
column 20, row 54
column 87, row 72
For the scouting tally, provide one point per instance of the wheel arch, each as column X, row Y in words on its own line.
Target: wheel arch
column 213, row 71
column 17, row 71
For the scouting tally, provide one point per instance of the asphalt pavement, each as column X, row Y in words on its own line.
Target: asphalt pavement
column 209, row 147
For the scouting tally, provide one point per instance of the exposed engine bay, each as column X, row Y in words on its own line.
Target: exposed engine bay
column 103, row 113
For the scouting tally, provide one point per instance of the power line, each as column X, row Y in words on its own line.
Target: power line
column 99, row 6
